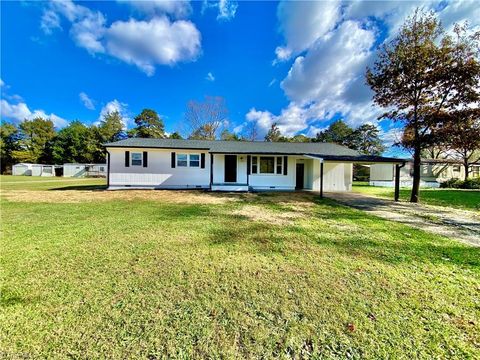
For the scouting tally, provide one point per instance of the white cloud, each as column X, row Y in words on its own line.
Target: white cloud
column 177, row 8
column 158, row 41
column 145, row 44
column 272, row 82
column 20, row 112
column 116, row 105
column 227, row 9
column 302, row 23
column 87, row 102
column 210, row 77
column 50, row 21
column 330, row 65
column 291, row 120
column 1, row 83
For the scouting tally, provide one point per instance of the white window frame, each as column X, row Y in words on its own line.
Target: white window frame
column 132, row 159
column 275, row 164
column 189, row 160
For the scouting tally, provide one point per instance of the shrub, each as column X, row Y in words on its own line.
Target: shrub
column 470, row 183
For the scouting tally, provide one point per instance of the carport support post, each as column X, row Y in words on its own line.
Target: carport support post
column 397, row 182
column 321, row 179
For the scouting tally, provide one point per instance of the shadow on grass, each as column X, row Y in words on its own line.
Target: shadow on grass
column 81, row 187
column 375, row 238
column 410, row 245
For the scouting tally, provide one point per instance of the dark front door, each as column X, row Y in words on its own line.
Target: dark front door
column 230, row 168
column 300, row 175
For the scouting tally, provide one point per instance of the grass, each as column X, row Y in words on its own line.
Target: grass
column 249, row 276
column 457, row 198
column 46, row 183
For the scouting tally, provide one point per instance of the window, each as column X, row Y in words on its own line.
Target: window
column 456, row 168
column 254, row 165
column 182, row 160
column 194, row 160
column 279, row 165
column 188, row 160
column 136, row 159
column 475, row 171
column 267, row 165
column 102, row 168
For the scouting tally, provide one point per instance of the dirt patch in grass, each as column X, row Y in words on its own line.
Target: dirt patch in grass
column 78, row 196
column 261, row 214
column 289, row 201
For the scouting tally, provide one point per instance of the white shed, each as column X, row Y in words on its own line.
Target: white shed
column 28, row 169
column 22, row 169
column 82, row 170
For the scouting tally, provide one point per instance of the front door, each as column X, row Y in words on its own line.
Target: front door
column 230, row 168
column 299, row 177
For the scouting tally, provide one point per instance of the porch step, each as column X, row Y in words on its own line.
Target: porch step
column 229, row 187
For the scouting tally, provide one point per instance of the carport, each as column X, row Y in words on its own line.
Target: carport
column 363, row 160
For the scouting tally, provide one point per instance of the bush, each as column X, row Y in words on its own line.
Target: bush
column 470, row 183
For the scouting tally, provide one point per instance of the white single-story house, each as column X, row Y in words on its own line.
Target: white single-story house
column 28, row 169
column 433, row 173
column 81, row 170
column 232, row 165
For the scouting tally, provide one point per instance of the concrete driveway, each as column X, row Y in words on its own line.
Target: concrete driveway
column 462, row 225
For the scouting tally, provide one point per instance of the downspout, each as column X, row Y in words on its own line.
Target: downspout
column 108, row 169
column 397, row 180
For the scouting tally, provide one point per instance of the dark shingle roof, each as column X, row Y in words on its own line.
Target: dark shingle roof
column 238, row 147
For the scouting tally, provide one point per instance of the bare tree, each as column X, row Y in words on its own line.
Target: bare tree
column 250, row 132
column 204, row 119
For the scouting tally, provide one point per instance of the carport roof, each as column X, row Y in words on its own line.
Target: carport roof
column 359, row 158
column 326, row 151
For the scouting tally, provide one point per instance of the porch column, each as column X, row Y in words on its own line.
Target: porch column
column 211, row 171
column 321, row 179
column 397, row 182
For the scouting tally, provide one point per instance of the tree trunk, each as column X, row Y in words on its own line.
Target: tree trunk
column 416, row 176
column 465, row 165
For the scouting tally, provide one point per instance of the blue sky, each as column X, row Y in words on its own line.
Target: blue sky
column 299, row 64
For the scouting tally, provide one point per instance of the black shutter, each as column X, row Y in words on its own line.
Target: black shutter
column 249, row 159
column 285, row 165
column 145, row 159
column 202, row 161
column 127, row 158
column 173, row 159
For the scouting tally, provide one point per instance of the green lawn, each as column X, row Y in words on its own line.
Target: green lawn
column 230, row 276
column 46, row 183
column 457, row 198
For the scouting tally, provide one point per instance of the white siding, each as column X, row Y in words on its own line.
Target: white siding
column 335, row 176
column 158, row 173
column 275, row 181
column 381, row 172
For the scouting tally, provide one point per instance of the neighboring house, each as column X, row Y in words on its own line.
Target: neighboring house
column 82, row 170
column 433, row 173
column 28, row 169
column 232, row 165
